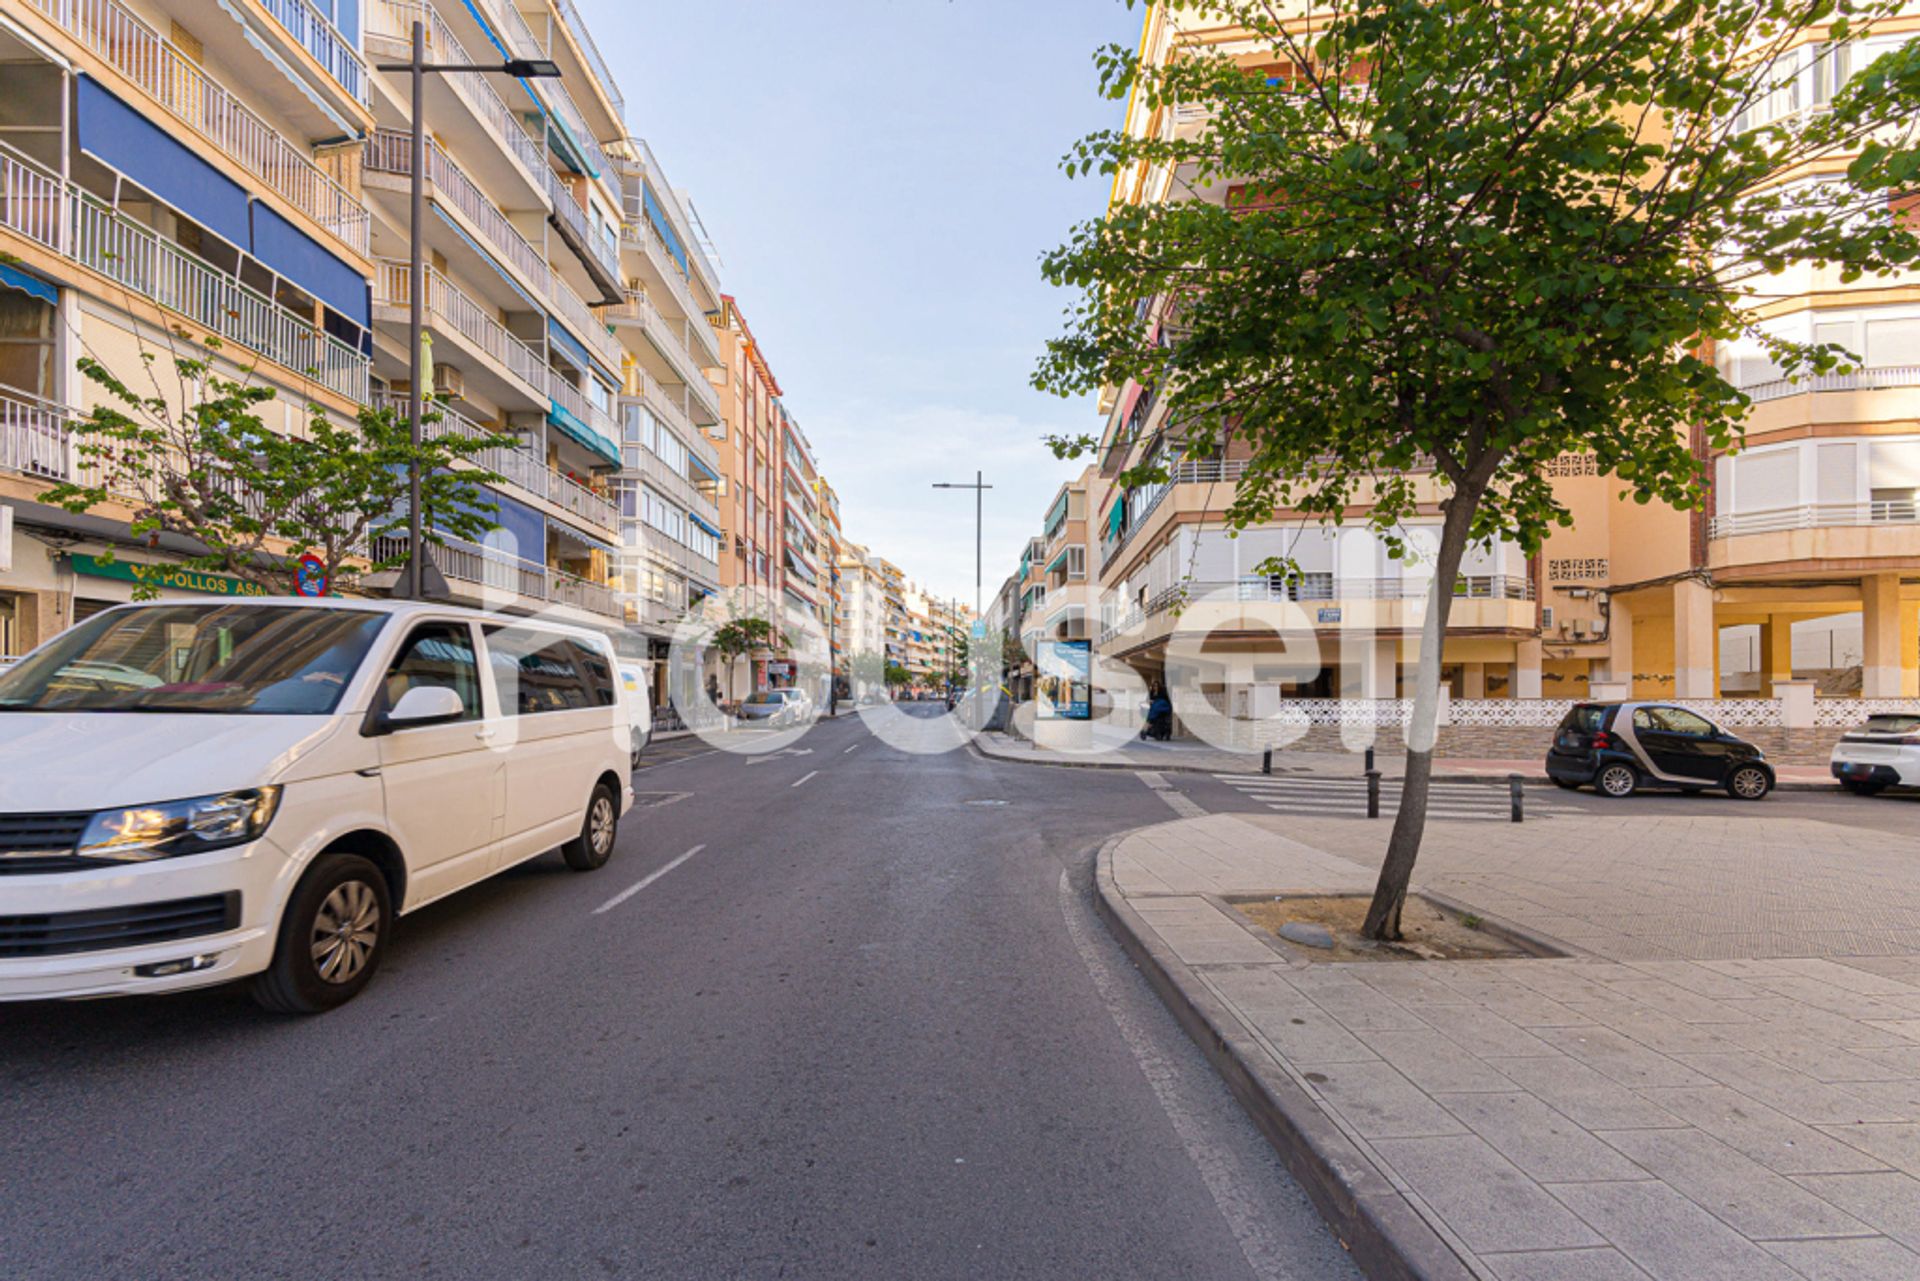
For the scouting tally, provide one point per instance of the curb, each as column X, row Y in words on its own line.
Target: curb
column 1385, row 1236
column 1439, row 775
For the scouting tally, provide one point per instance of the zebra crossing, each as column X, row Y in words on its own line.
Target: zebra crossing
column 1320, row 797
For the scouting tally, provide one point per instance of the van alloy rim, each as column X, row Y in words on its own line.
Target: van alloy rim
column 345, row 931
column 600, row 825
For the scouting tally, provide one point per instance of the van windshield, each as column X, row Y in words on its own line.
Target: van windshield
column 255, row 660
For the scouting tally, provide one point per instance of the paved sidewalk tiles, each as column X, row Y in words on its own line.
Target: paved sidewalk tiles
column 1645, row 1108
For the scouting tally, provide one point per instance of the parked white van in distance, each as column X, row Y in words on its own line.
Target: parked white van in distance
column 197, row 793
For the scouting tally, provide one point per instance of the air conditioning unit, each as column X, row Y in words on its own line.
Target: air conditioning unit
column 448, row 381
column 1546, row 618
column 1581, row 627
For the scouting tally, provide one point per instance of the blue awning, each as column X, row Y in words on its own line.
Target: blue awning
column 562, row 418
column 577, row 352
column 298, row 257
column 519, row 531
column 27, row 283
column 123, row 139
column 696, row 519
column 585, row 540
column 699, row 462
column 662, row 224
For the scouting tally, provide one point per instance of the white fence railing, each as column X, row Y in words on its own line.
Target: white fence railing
column 1845, row 713
column 391, row 151
column 67, row 220
column 121, row 38
column 446, row 301
column 33, row 438
column 569, row 398
column 317, row 34
column 496, row 571
column 1816, row 516
column 1880, row 379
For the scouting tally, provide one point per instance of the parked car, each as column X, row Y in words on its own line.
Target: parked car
column 775, row 708
column 196, row 793
column 1883, row 753
column 639, row 708
column 1620, row 748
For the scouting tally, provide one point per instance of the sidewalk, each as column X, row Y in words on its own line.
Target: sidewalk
column 1721, row 1080
column 1190, row 757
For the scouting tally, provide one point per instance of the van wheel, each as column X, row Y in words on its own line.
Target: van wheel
column 332, row 936
column 594, row 846
column 1617, row 780
column 1749, row 783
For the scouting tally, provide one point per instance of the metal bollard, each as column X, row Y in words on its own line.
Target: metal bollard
column 1373, row 793
column 1515, row 793
column 1266, row 761
column 1369, row 760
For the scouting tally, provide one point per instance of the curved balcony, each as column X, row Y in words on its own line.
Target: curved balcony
column 1806, row 537
column 1883, row 378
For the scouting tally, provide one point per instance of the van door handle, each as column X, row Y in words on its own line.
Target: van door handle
column 371, row 771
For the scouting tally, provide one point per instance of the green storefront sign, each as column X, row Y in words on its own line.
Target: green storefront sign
column 174, row 576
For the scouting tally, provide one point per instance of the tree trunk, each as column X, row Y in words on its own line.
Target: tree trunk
column 1409, row 825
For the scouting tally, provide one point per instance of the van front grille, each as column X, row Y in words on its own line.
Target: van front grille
column 62, row 933
column 40, row 842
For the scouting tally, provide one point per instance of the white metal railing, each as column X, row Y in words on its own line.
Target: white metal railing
column 119, row 37
column 572, row 216
column 638, row 232
column 638, row 153
column 1877, row 379
column 33, row 437
column 462, row 315
column 584, row 38
column 496, row 571
column 569, row 398
column 317, row 34
column 1815, row 516
column 522, row 467
column 589, row 328
column 671, row 337
column 679, row 488
column 391, row 151
column 67, row 220
column 393, row 20
column 666, row 406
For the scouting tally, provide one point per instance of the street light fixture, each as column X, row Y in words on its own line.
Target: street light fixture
column 419, row 68
column 979, row 489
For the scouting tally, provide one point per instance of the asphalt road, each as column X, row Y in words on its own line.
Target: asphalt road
column 838, row 1012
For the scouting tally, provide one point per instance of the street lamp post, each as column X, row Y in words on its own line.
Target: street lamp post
column 419, row 68
column 979, row 488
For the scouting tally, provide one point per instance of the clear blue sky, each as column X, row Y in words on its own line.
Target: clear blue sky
column 880, row 178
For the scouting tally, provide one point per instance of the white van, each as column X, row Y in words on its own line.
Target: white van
column 192, row 793
column 634, row 677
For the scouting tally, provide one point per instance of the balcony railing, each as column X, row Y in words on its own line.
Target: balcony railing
column 1878, row 379
column 589, row 328
column 638, row 232
column 569, row 398
column 317, row 34
column 391, row 151
column 460, row 314
column 393, row 20
column 495, row 571
column 638, row 155
column 1815, row 516
column 584, row 38
column 674, row 485
column 573, row 217
column 63, row 218
column 33, row 437
column 115, row 34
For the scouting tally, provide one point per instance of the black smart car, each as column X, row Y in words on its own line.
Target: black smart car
column 1622, row 747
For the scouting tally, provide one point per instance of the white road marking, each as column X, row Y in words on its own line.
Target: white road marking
column 796, row 782
column 849, row 749
column 1181, row 804
column 1240, row 1203
column 644, row 881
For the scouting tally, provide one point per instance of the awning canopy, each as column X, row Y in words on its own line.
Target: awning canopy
column 123, row 139
column 562, row 418
column 295, row 255
column 28, row 283
column 701, row 523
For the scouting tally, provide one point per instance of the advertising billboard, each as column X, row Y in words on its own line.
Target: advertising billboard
column 1063, row 684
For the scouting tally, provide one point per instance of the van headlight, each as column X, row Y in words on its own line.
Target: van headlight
column 138, row 834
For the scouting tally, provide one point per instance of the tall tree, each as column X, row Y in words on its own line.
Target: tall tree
column 205, row 464
column 1469, row 236
column 738, row 637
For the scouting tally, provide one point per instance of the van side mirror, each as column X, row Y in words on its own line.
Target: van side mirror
column 425, row 705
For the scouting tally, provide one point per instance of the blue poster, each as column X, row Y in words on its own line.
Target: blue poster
column 1063, row 684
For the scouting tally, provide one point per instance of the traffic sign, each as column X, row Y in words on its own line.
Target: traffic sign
column 311, row 578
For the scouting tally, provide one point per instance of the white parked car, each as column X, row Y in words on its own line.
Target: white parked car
column 1883, row 753
column 639, row 708
column 192, row 793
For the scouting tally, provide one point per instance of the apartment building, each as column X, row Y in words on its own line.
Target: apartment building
column 749, row 461
column 1812, row 528
column 172, row 172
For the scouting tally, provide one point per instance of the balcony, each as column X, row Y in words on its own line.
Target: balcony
column 583, row 324
column 390, row 23
column 318, row 36
column 600, row 257
column 526, row 470
column 494, row 573
column 577, row 28
column 671, row 484
column 33, row 438
column 668, row 407
column 116, row 35
column 638, row 232
column 61, row 217
column 569, row 398
column 1879, row 379
column 390, row 151
column 1815, row 516
column 1388, row 605
column 520, row 364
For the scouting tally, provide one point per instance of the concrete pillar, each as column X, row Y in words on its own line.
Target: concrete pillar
column 1796, row 703
column 1619, row 648
column 1776, row 653
column 1383, row 668
column 1880, row 675
column 1473, row 680
column 1526, row 669
column 1695, row 640
column 1910, row 649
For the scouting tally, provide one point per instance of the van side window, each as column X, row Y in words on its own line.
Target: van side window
column 437, row 655
column 541, row 672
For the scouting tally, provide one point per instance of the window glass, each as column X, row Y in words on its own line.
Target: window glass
column 231, row 659
column 1673, row 720
column 436, row 656
column 541, row 672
